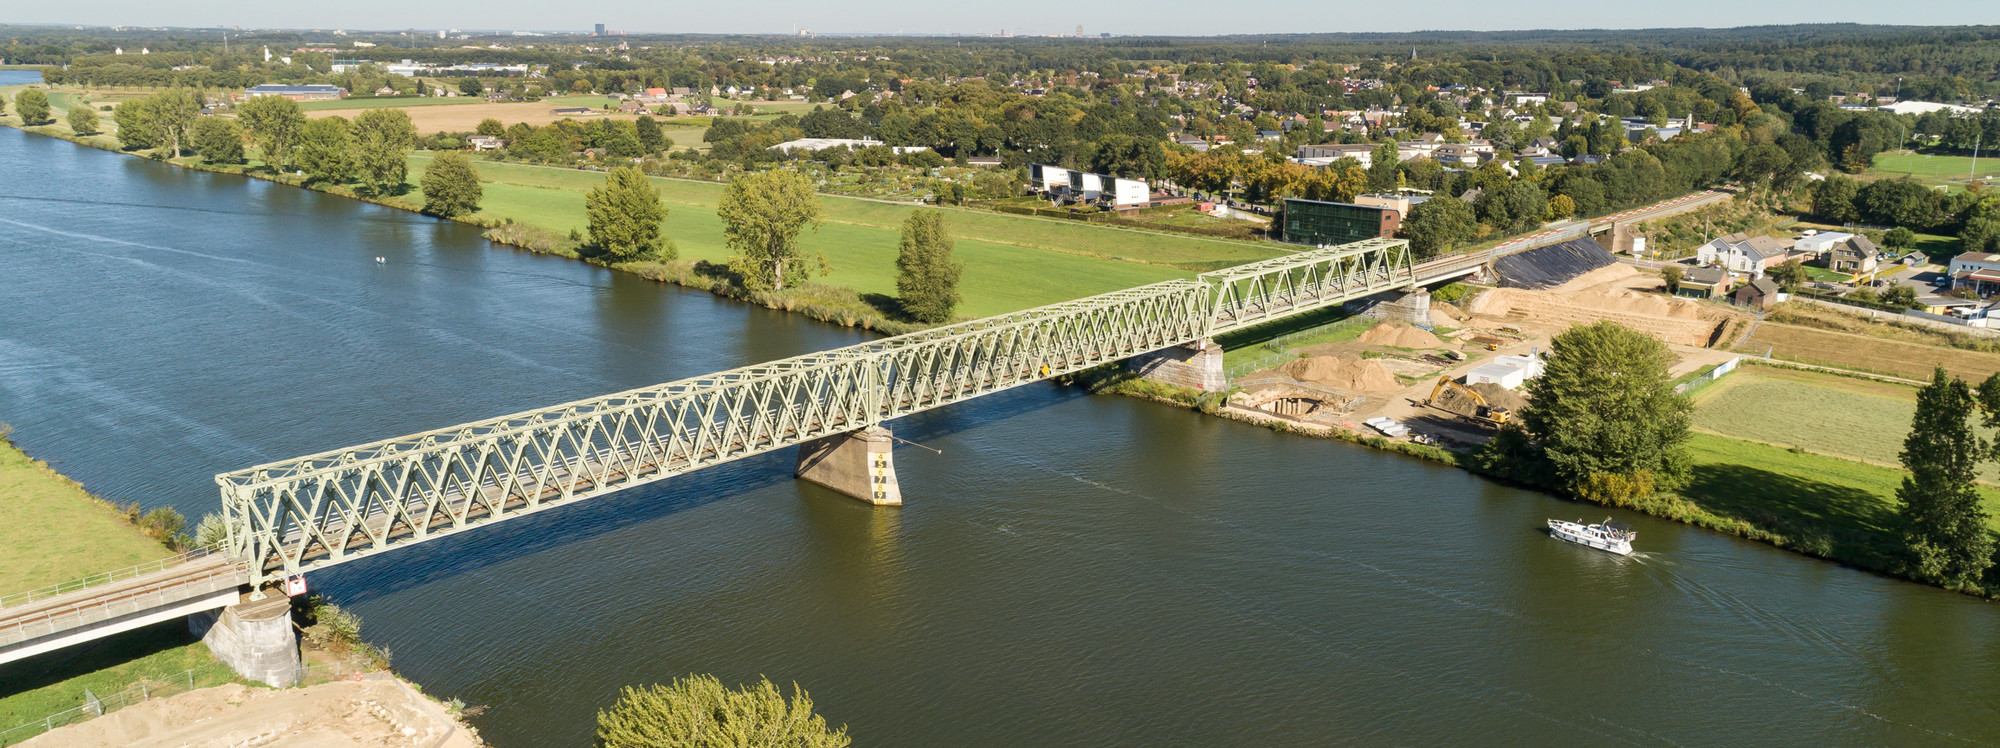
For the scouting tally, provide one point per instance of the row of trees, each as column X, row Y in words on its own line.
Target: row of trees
column 1973, row 215
column 764, row 216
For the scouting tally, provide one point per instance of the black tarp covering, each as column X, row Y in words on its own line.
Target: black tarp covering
column 1553, row 265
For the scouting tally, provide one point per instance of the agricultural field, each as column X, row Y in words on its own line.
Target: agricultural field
column 466, row 117
column 1842, row 416
column 1934, row 170
column 389, row 102
column 1012, row 262
column 1866, row 352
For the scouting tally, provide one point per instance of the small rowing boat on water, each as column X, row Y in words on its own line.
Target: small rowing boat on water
column 1615, row 537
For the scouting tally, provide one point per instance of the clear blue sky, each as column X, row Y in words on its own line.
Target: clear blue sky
column 1179, row 17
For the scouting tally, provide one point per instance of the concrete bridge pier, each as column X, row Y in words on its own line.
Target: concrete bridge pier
column 1413, row 307
column 256, row 639
column 1197, row 365
column 857, row 463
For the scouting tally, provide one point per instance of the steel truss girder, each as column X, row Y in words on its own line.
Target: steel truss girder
column 291, row 516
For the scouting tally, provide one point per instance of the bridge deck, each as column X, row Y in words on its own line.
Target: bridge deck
column 196, row 578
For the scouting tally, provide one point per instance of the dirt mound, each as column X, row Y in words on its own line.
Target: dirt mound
column 1353, row 375
column 376, row 711
column 1447, row 311
column 1605, row 275
column 1500, row 397
column 1400, row 335
column 1672, row 319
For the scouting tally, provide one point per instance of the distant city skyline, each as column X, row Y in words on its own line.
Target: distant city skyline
column 1037, row 17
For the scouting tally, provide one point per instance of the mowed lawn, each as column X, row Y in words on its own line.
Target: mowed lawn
column 1011, row 262
column 1933, row 169
column 52, row 532
column 1845, row 507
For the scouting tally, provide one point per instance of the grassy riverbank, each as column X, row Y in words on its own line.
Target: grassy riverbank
column 1840, row 510
column 1011, row 262
column 52, row 531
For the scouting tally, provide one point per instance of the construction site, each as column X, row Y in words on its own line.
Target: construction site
column 1455, row 380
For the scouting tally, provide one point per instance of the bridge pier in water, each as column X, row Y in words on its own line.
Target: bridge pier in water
column 1197, row 365
column 860, row 464
column 255, row 638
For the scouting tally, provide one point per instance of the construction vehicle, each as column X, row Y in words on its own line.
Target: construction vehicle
column 1447, row 391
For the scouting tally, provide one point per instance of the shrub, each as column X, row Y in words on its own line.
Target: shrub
column 697, row 712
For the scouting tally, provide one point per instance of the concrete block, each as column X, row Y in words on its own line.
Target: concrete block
column 1197, row 365
column 860, row 464
column 256, row 639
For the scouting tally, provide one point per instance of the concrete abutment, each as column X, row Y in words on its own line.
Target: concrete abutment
column 1413, row 307
column 860, row 464
column 1197, row 365
column 256, row 638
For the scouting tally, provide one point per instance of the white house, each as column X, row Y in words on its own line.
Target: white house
column 1737, row 253
column 1818, row 243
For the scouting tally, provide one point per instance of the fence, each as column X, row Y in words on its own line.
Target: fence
column 1708, row 377
column 1282, row 345
column 211, row 674
column 130, row 572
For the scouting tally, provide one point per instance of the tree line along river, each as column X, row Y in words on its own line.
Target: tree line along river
column 1071, row 570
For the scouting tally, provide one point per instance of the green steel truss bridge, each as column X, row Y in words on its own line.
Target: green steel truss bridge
column 289, row 517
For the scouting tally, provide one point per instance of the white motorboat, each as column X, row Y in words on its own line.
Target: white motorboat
column 1615, row 537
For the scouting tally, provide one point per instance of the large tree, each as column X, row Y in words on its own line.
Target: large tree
column 275, row 124
column 174, row 112
column 325, row 150
column 698, row 712
column 33, row 107
column 451, row 186
column 1438, row 224
column 625, row 215
column 383, row 138
column 763, row 214
column 1943, row 523
column 218, row 141
column 1602, row 421
column 82, row 120
column 134, row 118
column 926, row 274
column 651, row 136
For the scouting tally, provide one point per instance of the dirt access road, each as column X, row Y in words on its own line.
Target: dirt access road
column 378, row 710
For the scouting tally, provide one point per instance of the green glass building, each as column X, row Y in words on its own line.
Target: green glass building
column 1321, row 223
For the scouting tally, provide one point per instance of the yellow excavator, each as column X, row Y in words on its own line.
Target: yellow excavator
column 1481, row 410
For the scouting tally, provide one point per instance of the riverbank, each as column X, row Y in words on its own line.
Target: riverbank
column 1011, row 262
column 1745, row 519
column 1826, row 507
column 53, row 531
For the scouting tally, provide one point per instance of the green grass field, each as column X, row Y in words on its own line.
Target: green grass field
column 1947, row 170
column 1832, row 415
column 51, row 531
column 1838, row 508
column 1012, row 262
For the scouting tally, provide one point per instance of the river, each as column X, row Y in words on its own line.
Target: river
column 1071, row 570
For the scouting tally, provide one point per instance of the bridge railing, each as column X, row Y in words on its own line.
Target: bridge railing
column 102, row 578
column 31, row 623
column 289, row 516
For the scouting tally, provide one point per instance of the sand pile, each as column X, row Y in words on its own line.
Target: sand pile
column 1400, row 335
column 1609, row 274
column 1353, row 375
column 1500, row 397
column 1672, row 319
column 1447, row 311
